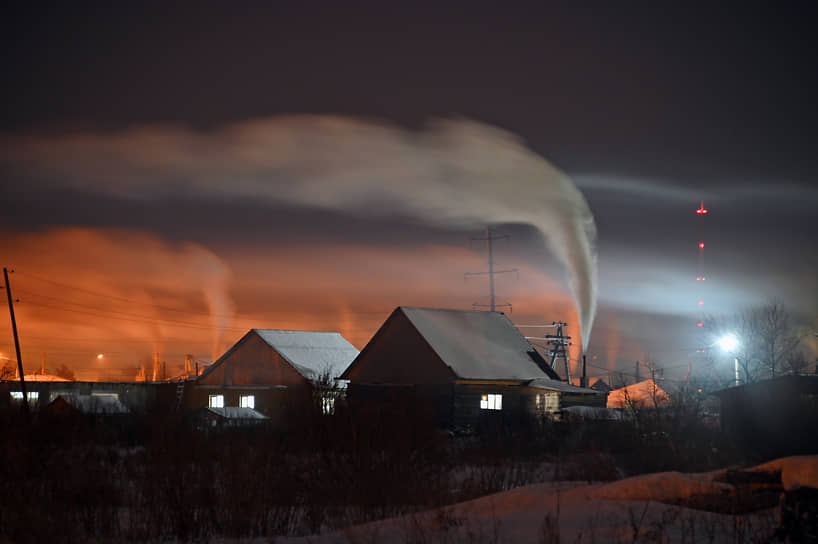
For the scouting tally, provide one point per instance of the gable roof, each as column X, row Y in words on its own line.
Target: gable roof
column 235, row 412
column 475, row 344
column 311, row 353
column 93, row 404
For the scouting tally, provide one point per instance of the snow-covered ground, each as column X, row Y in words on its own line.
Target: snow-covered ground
column 639, row 509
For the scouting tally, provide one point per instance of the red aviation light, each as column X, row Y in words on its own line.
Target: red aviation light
column 700, row 324
column 701, row 303
column 702, row 210
column 701, row 245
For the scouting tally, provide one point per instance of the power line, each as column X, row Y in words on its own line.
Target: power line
column 134, row 318
column 115, row 297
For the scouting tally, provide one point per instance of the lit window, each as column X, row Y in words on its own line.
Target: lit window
column 216, row 401
column 328, row 405
column 18, row 395
column 539, row 401
column 491, row 402
column 247, row 401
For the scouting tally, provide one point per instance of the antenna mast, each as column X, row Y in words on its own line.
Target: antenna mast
column 701, row 275
column 492, row 306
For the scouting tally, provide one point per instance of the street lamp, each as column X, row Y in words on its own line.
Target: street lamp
column 729, row 343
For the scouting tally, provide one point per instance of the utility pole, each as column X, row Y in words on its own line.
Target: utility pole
column 16, row 343
column 557, row 344
column 490, row 237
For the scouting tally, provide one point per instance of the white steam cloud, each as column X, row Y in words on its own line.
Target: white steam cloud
column 453, row 173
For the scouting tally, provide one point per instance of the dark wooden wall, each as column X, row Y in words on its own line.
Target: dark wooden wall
column 398, row 354
column 253, row 361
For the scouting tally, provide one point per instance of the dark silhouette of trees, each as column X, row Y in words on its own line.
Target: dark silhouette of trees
column 64, row 371
column 768, row 341
column 8, row 372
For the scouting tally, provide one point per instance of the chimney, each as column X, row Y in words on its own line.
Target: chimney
column 188, row 365
column 584, row 381
column 155, row 366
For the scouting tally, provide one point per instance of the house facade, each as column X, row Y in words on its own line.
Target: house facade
column 281, row 374
column 459, row 369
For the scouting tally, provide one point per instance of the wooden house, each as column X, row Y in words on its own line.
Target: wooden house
column 639, row 395
column 281, row 374
column 459, row 368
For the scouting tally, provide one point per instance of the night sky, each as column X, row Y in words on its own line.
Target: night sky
column 142, row 210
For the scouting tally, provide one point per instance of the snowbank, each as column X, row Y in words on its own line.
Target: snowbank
column 642, row 508
column 796, row 472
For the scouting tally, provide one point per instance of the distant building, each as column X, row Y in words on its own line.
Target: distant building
column 459, row 368
column 644, row 394
column 773, row 418
column 601, row 386
column 92, row 397
column 277, row 373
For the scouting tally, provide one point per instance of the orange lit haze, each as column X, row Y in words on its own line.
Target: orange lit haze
column 104, row 301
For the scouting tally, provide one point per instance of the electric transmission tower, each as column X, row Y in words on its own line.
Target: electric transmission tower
column 489, row 238
column 557, row 344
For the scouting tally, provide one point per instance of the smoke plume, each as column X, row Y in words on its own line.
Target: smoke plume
column 453, row 173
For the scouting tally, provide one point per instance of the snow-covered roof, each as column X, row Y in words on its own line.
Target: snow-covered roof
column 44, row 378
column 95, row 404
column 563, row 387
column 476, row 345
column 311, row 353
column 235, row 412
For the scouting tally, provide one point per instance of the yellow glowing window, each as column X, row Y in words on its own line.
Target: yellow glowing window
column 491, row 402
column 18, row 395
column 216, row 401
column 247, row 401
column 328, row 405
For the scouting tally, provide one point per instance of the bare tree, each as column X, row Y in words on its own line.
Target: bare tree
column 64, row 371
column 776, row 336
column 796, row 363
column 326, row 391
column 655, row 392
column 768, row 340
column 8, row 372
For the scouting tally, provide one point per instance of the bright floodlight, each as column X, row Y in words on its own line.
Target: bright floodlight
column 729, row 342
